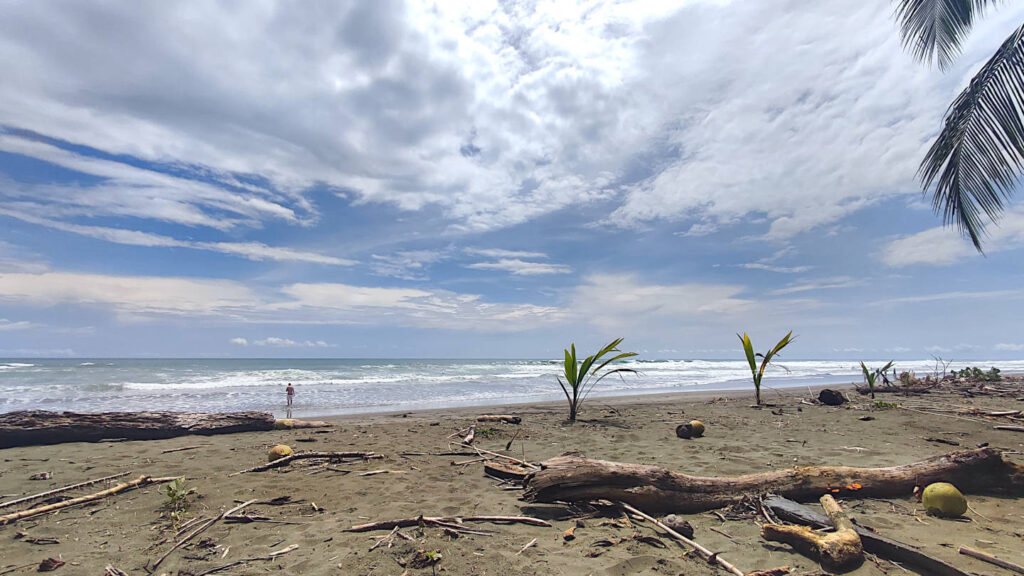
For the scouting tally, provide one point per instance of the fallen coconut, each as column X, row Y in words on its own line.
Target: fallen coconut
column 692, row 429
column 278, row 452
column 942, row 499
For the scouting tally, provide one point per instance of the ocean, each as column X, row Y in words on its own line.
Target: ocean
column 345, row 386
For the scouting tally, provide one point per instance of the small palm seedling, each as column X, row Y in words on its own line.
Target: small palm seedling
column 580, row 378
column 178, row 500
column 872, row 375
column 758, row 372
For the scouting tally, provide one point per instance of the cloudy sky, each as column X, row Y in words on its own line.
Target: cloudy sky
column 484, row 179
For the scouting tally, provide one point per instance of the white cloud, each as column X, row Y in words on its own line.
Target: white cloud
column 1010, row 347
column 779, row 269
column 955, row 295
column 822, row 284
column 943, row 246
column 498, row 113
column 407, row 265
column 240, row 341
column 501, row 253
column 521, row 267
column 9, row 326
column 250, row 250
column 275, row 342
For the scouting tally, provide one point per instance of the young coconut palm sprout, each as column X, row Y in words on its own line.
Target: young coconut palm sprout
column 872, row 375
column 580, row 378
column 756, row 372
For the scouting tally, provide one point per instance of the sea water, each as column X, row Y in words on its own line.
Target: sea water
column 344, row 386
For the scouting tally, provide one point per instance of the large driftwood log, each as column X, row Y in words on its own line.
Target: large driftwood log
column 35, row 427
column 654, row 489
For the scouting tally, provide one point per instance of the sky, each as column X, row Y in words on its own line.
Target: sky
column 485, row 180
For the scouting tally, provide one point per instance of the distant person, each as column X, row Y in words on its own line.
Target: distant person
column 290, row 391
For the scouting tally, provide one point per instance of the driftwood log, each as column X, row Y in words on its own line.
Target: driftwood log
column 655, row 489
column 873, row 542
column 33, row 427
column 838, row 551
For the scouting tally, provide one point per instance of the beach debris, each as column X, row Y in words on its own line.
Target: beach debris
column 839, row 550
column 503, row 418
column 50, row 564
column 270, row 556
column 423, row 559
column 112, row 571
column 529, row 544
column 41, row 476
column 678, row 524
column 24, row 537
column 573, row 479
column 203, row 526
column 306, row 455
column 830, row 397
column 140, row 481
column 445, row 520
column 942, row 499
column 692, row 429
column 471, row 436
column 293, row 424
column 871, row 540
column 60, row 490
column 184, row 448
column 967, row 551
column 569, row 534
column 1010, row 428
column 506, row 470
column 942, row 441
column 709, row 556
column 33, row 427
column 279, row 451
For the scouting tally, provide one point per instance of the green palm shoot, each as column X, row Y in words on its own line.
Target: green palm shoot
column 758, row 372
column 581, row 377
column 872, row 375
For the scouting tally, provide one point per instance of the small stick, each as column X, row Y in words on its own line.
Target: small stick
column 528, row 544
column 405, row 522
column 59, row 490
column 199, row 530
column 1010, row 428
column 183, row 448
column 140, row 481
column 270, row 556
column 708, row 555
column 514, row 436
column 966, row 551
column 517, row 460
column 302, row 455
column 14, row 568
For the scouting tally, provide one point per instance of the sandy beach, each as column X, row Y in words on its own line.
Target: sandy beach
column 128, row 531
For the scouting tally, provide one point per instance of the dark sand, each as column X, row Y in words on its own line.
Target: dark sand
column 127, row 530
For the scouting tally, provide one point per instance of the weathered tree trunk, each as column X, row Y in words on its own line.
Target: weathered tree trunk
column 654, row 489
column 41, row 427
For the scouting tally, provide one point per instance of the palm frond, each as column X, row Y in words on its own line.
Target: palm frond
column 976, row 160
column 934, row 29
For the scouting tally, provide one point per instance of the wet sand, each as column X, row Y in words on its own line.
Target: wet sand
column 128, row 530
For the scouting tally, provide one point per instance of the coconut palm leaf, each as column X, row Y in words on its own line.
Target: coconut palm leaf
column 934, row 29
column 976, row 160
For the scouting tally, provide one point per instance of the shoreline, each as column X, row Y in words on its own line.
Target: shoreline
column 417, row 474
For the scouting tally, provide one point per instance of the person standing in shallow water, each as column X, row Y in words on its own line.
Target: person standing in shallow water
column 291, row 393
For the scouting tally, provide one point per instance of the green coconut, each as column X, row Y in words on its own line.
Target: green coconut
column 942, row 499
column 697, row 427
column 278, row 452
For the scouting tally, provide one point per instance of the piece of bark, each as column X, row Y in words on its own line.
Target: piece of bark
column 471, row 436
column 503, row 418
column 36, row 427
column 874, row 543
column 305, row 455
column 140, row 481
column 655, row 489
column 406, row 522
column 838, row 551
column 506, row 470
column 967, row 551
column 59, row 490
